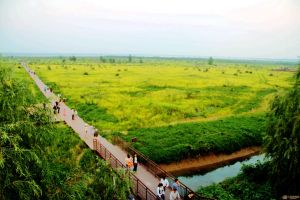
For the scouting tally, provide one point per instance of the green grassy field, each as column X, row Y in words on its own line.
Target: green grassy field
column 182, row 107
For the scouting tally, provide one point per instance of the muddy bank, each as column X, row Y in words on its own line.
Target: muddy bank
column 209, row 161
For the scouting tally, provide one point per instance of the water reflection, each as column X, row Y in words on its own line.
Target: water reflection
column 218, row 175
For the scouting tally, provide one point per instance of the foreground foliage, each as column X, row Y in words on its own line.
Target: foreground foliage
column 72, row 171
column 282, row 140
column 22, row 122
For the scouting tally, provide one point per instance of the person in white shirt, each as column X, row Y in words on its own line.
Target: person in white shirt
column 165, row 182
column 73, row 113
column 174, row 195
column 135, row 162
column 160, row 193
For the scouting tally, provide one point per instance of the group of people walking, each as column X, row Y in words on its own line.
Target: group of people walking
column 57, row 108
column 90, row 130
column 174, row 194
column 131, row 162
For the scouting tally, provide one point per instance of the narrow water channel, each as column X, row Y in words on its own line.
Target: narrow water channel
column 195, row 181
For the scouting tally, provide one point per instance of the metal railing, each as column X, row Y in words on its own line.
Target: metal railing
column 138, row 187
column 156, row 170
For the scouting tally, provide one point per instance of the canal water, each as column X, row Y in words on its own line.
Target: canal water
column 198, row 180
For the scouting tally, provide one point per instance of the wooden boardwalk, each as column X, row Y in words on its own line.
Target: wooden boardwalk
column 78, row 125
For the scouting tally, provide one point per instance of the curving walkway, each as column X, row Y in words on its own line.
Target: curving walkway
column 78, row 125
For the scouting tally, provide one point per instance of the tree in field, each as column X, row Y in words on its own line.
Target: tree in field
column 73, row 58
column 112, row 60
column 282, row 140
column 102, row 59
column 210, row 61
column 130, row 58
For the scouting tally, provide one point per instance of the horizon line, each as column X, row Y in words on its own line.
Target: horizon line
column 20, row 54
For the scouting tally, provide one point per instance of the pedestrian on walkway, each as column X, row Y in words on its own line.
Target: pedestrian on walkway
column 57, row 106
column 176, row 184
column 165, row 182
column 128, row 162
column 54, row 108
column 73, row 113
column 64, row 111
column 96, row 133
column 174, row 195
column 160, row 193
column 85, row 128
column 131, row 197
column 135, row 162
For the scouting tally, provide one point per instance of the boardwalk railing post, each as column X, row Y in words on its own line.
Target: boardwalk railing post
column 137, row 186
column 100, row 148
column 146, row 193
column 110, row 158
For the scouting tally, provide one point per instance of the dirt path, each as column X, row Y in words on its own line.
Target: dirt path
column 209, row 161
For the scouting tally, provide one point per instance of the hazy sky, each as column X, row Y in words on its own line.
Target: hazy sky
column 231, row 28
